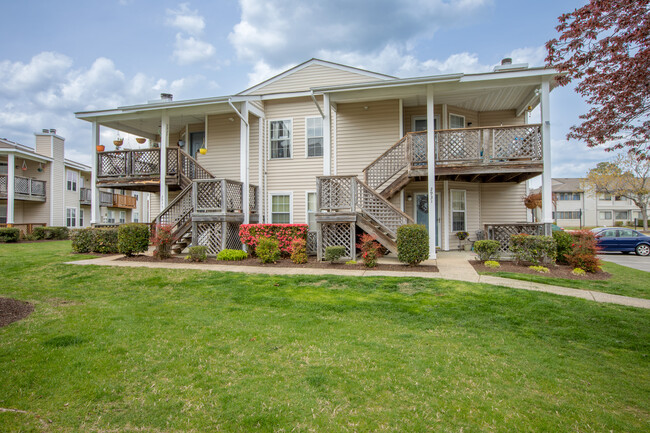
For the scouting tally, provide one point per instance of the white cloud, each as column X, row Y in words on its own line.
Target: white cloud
column 191, row 50
column 262, row 71
column 534, row 56
column 185, row 19
column 17, row 77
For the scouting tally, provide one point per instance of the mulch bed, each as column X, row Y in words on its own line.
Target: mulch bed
column 12, row 310
column 312, row 263
column 556, row 271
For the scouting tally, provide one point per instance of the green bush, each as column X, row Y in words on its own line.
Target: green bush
column 334, row 253
column 412, row 244
column 533, row 249
column 162, row 240
column 83, row 240
column 232, row 255
column 268, row 250
column 198, row 253
column 351, row 262
column 105, row 240
column 579, row 272
column 50, row 233
column 563, row 242
column 299, row 251
column 492, row 264
column 132, row 239
column 487, row 250
column 540, row 269
column 9, row 234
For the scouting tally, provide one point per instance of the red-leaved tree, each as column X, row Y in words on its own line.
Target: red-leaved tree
column 605, row 47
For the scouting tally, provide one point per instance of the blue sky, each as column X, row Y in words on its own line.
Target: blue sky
column 60, row 57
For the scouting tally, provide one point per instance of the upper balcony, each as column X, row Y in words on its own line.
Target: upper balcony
column 85, row 196
column 488, row 154
column 24, row 188
column 107, row 199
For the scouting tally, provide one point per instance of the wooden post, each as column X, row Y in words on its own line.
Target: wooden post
column 224, row 196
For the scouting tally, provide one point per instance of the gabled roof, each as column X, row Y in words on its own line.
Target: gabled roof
column 311, row 62
column 7, row 146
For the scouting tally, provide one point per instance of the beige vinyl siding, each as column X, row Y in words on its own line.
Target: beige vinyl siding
column 363, row 135
column 71, row 198
column 297, row 174
column 312, row 76
column 502, row 203
column 154, row 201
column 253, row 149
column 471, row 116
column 257, row 104
column 34, row 212
column 44, row 145
column 58, row 183
column 222, row 143
column 498, row 118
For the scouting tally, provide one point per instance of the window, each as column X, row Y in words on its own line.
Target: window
column 136, row 216
column 419, row 123
column 618, row 198
column 314, row 131
column 605, row 215
column 568, row 196
column 311, row 211
column 3, row 214
column 110, row 218
column 72, row 177
column 566, row 215
column 81, row 217
column 620, row 215
column 280, row 139
column 122, row 217
column 4, row 168
column 456, row 121
column 280, row 209
column 605, row 196
column 136, row 194
column 70, row 217
column 458, row 214
column 627, row 233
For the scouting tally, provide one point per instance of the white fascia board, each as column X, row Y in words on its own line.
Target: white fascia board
column 504, row 75
column 77, row 165
column 272, row 96
column 26, row 155
column 390, row 83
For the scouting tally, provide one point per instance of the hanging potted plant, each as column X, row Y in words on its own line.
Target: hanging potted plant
column 203, row 150
column 100, row 147
column 461, row 237
column 140, row 140
column 118, row 142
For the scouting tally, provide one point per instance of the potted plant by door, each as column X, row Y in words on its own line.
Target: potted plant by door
column 461, row 237
column 100, row 147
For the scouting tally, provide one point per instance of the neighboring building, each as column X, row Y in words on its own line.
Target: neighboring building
column 575, row 208
column 341, row 149
column 38, row 186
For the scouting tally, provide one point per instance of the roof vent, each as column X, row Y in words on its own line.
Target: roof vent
column 167, row 97
column 52, row 131
column 507, row 65
column 506, row 61
column 45, row 131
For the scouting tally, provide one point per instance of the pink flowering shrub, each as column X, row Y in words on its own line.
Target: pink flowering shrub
column 250, row 234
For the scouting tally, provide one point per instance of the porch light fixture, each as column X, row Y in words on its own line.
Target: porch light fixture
column 232, row 119
column 409, row 197
column 40, row 167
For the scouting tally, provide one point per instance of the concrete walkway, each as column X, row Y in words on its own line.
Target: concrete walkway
column 452, row 266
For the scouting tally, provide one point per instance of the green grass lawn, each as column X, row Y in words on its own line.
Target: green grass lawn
column 624, row 281
column 149, row 350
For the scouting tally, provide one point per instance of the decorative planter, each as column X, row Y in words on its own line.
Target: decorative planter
column 203, row 151
column 140, row 140
column 118, row 143
column 100, row 147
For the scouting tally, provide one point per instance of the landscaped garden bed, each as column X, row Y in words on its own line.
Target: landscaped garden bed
column 554, row 271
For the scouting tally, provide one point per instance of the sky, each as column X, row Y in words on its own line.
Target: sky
column 60, row 57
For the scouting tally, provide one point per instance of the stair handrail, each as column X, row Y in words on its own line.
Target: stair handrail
column 398, row 215
column 199, row 171
column 183, row 215
column 400, row 163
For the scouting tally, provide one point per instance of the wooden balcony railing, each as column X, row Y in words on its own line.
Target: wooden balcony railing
column 23, row 187
column 105, row 199
column 130, row 163
column 124, row 201
column 475, row 146
column 85, row 195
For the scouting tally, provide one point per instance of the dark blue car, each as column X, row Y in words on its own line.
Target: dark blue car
column 623, row 240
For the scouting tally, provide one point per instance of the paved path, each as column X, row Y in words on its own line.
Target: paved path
column 452, row 266
column 630, row 260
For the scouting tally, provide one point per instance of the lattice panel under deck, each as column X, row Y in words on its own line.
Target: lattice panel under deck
column 208, row 196
column 335, row 193
column 233, row 241
column 502, row 233
column 234, row 196
column 337, row 234
column 209, row 235
column 312, row 243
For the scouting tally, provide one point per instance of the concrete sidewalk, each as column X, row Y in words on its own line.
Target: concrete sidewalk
column 452, row 266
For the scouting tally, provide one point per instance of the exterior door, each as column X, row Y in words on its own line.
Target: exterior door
column 196, row 142
column 421, row 212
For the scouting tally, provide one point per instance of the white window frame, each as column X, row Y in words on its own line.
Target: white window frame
column 451, row 209
column 109, row 217
column 270, row 143
column 608, row 218
column 307, row 212
column 122, row 220
column 436, row 121
column 270, row 207
column 627, row 215
column 307, row 137
column 4, row 168
column 74, row 180
column 69, row 218
column 457, row 115
column 135, row 216
column 81, row 217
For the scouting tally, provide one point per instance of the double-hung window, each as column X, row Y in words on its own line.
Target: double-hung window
column 72, row 179
column 81, row 217
column 456, row 121
column 280, row 134
column 314, row 131
column 458, row 210
column 71, row 217
column 605, row 214
column 136, row 216
column 280, row 209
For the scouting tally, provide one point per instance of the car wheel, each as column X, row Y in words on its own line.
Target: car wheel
column 643, row 250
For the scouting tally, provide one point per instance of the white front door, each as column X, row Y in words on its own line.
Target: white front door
column 421, row 212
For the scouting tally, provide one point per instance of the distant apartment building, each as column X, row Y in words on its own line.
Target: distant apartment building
column 39, row 186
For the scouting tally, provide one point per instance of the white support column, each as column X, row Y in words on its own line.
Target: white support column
column 11, row 187
column 94, row 199
column 401, row 117
column 445, row 117
column 244, row 172
column 446, row 217
column 547, row 205
column 327, row 136
column 164, row 143
column 431, row 174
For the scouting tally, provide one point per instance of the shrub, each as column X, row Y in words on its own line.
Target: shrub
column 83, row 240
column 579, row 272
column 60, row 233
column 563, row 241
column 105, row 240
column 162, row 239
column 334, row 253
column 618, row 223
column 232, row 255
column 412, row 244
column 251, row 234
column 583, row 251
column 198, row 253
column 540, row 269
column 492, row 264
column 132, row 239
column 487, row 250
column 533, row 249
column 351, row 262
column 299, row 251
column 370, row 250
column 9, row 234
column 268, row 250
